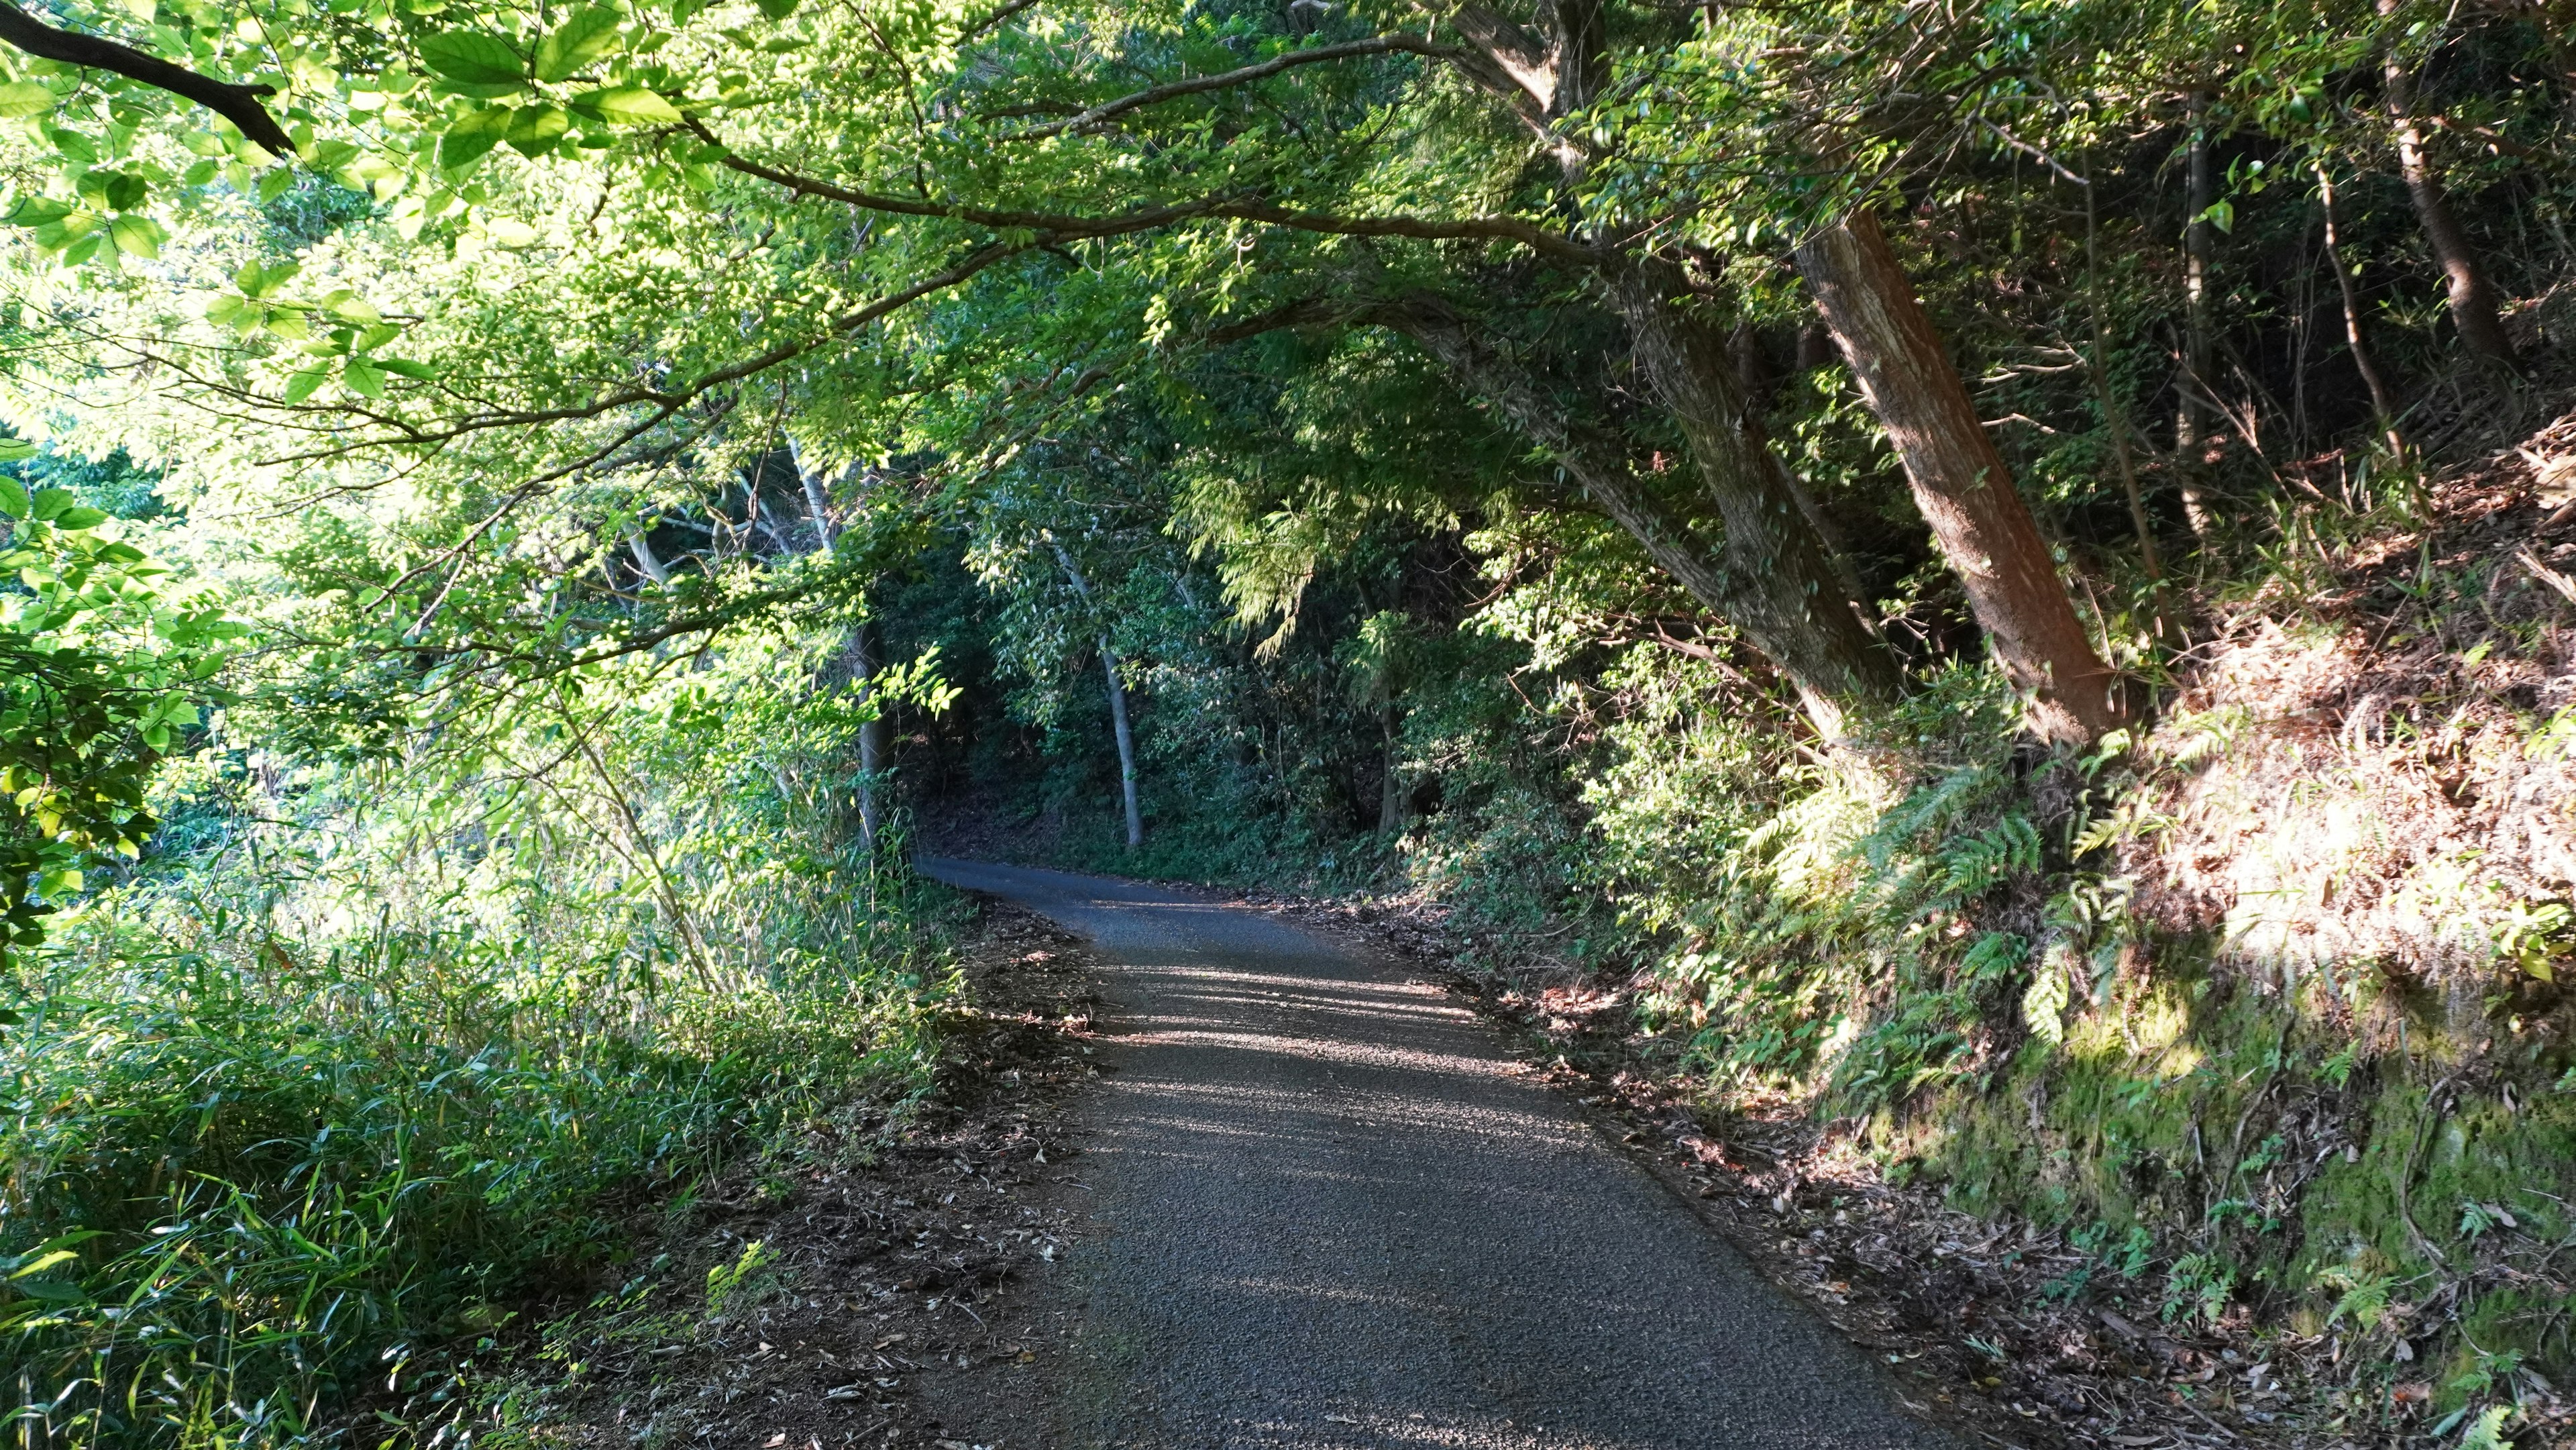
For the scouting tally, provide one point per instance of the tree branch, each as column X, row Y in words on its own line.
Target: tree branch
column 1063, row 227
column 1244, row 75
column 237, row 104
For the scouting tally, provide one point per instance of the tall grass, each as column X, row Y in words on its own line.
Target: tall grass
column 288, row 1118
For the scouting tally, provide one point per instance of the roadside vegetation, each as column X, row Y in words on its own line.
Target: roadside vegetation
column 2001, row 575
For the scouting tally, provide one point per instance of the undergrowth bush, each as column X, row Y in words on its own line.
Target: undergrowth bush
column 295, row 1113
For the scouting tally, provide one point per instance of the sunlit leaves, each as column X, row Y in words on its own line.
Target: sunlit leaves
column 25, row 98
column 473, row 135
column 576, row 43
column 626, row 106
column 475, row 59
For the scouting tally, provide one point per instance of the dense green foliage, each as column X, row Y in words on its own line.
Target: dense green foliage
column 496, row 588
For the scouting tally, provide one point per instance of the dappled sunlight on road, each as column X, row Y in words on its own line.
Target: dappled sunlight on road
column 1332, row 1214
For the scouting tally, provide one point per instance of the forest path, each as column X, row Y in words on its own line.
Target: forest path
column 1331, row 1215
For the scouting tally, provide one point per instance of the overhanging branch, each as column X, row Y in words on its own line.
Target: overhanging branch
column 237, row 104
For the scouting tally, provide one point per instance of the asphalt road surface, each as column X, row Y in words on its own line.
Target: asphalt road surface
column 1330, row 1217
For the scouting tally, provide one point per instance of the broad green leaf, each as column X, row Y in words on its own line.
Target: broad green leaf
column 13, row 450
column 777, row 9
column 576, row 43
column 13, row 498
column 467, row 140
column 534, row 130
column 627, row 106
column 405, row 366
column 80, row 518
column 258, row 281
column 349, row 307
column 137, row 235
column 50, row 503
column 25, row 98
column 300, row 386
column 42, row 1262
column 363, row 377
column 35, row 211
column 474, row 58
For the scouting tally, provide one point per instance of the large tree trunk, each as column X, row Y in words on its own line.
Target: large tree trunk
column 2473, row 303
column 1775, row 585
column 2191, row 414
column 1126, row 745
column 1960, row 482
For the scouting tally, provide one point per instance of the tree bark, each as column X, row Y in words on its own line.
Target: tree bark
column 1775, row 585
column 1390, row 797
column 2191, row 413
column 238, row 104
column 1126, row 745
column 866, row 658
column 2381, row 405
column 1118, row 726
column 1960, row 482
column 2474, row 310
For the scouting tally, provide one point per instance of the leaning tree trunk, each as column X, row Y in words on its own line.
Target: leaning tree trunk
column 1775, row 584
column 1808, row 596
column 2191, row 414
column 1126, row 745
column 2382, row 405
column 2473, row 302
column 1960, row 482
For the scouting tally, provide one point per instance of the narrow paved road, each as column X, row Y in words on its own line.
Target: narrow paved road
column 1332, row 1218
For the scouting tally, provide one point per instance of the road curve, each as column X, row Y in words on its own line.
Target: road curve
column 1331, row 1218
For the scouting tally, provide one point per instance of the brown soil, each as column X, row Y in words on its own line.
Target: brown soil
column 897, row 1299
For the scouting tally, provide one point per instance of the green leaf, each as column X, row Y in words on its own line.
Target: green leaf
column 258, row 281
column 300, row 386
column 125, row 191
column 75, row 519
column 627, row 106
column 363, row 377
column 405, row 366
column 2043, row 1007
column 477, row 133
column 35, row 211
column 25, row 98
column 351, row 308
column 13, row 499
column 14, row 449
column 576, row 43
column 50, row 503
column 777, row 9
column 476, row 59
column 534, row 130
column 137, row 235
